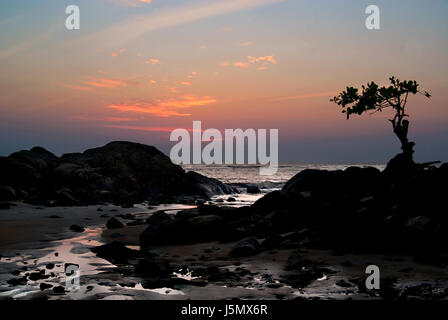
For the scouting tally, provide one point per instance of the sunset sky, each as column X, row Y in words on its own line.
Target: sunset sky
column 139, row 68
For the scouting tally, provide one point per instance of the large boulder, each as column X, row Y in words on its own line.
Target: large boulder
column 18, row 174
column 38, row 158
column 245, row 248
column 114, row 223
column 116, row 252
column 120, row 172
column 172, row 231
column 7, row 193
column 207, row 187
column 204, row 228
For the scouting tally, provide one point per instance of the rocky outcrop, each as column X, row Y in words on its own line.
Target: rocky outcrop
column 354, row 209
column 120, row 172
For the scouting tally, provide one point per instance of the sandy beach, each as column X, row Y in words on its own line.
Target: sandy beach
column 34, row 239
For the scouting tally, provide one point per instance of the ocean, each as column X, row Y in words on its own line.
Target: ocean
column 249, row 174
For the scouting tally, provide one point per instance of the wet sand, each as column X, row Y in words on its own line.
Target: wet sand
column 30, row 238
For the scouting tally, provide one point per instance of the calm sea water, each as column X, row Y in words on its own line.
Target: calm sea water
column 249, row 174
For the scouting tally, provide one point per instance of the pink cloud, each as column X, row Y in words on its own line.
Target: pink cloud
column 148, row 129
column 109, row 83
column 270, row 59
column 116, row 54
column 152, row 61
column 246, row 44
column 240, row 64
column 164, row 108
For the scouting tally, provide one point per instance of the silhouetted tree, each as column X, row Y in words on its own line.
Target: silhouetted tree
column 376, row 99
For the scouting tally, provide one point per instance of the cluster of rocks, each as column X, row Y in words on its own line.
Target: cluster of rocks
column 25, row 276
column 123, row 173
column 357, row 208
column 352, row 210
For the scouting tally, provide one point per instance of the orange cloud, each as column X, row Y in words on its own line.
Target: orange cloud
column 191, row 75
column 147, row 109
column 246, row 44
column 187, row 101
column 262, row 59
column 150, row 129
column 86, row 117
column 102, row 83
column 152, row 61
column 164, row 108
column 240, row 64
column 118, row 119
column 77, row 87
column 109, row 83
column 116, row 54
column 224, row 64
column 186, row 83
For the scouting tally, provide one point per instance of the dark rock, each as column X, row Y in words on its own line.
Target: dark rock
column 172, row 231
column 7, row 193
column 76, row 228
column 154, row 268
column 208, row 187
column 275, row 200
column 289, row 244
column 418, row 224
column 158, row 216
column 231, row 199
column 5, row 206
column 114, row 223
column 137, row 222
column 206, row 227
column 50, row 266
column 44, row 286
column 253, row 190
column 59, row 290
column 120, row 172
column 15, row 272
column 347, row 263
column 272, row 242
column 116, row 235
column 344, row 284
column 18, row 281
column 115, row 251
column 34, row 276
column 155, row 283
column 245, row 248
column 295, row 261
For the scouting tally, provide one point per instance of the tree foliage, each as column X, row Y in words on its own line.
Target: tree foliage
column 374, row 98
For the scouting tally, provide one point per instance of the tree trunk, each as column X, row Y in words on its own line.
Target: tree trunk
column 401, row 130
